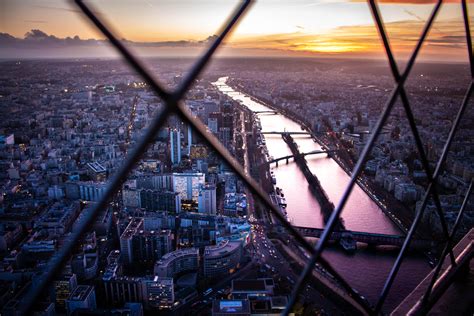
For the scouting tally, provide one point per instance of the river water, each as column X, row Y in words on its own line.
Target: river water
column 366, row 270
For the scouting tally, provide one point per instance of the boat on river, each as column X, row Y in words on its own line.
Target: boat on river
column 348, row 242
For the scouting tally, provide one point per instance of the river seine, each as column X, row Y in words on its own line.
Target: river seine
column 367, row 269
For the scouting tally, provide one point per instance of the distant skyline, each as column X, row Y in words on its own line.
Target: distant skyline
column 271, row 28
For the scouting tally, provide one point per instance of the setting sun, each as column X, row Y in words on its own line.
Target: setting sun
column 329, row 47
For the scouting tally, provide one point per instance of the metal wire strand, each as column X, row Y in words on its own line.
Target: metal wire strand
column 90, row 215
column 223, row 153
column 210, row 140
column 398, row 261
column 411, row 119
column 200, row 65
column 467, row 28
column 360, row 163
column 174, row 105
column 123, row 50
column 115, row 183
column 448, row 247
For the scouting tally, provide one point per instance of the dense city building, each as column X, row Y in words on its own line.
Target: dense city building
column 177, row 262
column 82, row 298
column 156, row 200
column 175, row 145
column 188, row 185
column 183, row 233
column 207, row 200
column 159, row 292
column 222, row 259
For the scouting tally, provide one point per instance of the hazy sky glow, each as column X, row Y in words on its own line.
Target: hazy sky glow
column 298, row 27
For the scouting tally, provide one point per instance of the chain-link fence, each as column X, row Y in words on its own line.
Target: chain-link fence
column 174, row 105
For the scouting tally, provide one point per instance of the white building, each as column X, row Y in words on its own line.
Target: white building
column 188, row 185
column 175, row 144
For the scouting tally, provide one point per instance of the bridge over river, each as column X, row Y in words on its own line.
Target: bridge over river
column 265, row 112
column 367, row 238
column 285, row 133
column 288, row 157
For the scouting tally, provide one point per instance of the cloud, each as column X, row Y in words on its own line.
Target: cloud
column 38, row 44
column 364, row 39
column 37, row 34
column 36, row 21
column 57, row 8
column 419, row 18
column 447, row 39
column 38, row 39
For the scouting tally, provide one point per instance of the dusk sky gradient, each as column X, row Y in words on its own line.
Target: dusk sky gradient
column 271, row 27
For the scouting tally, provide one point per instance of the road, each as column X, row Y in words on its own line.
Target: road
column 267, row 255
column 130, row 123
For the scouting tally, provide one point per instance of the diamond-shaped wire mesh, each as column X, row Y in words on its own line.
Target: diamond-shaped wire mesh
column 174, row 105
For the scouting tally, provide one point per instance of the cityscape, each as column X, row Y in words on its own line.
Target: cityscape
column 185, row 233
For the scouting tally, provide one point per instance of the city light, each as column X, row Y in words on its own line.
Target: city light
column 261, row 183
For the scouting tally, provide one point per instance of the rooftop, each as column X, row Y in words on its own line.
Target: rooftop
column 169, row 257
column 248, row 285
column 80, row 293
column 221, row 248
column 96, row 167
column 231, row 307
column 132, row 228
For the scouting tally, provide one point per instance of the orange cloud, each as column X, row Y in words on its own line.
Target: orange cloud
column 446, row 39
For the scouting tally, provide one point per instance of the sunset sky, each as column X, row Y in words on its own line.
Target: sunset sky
column 271, row 27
